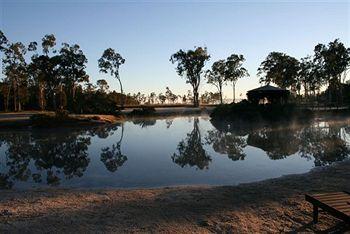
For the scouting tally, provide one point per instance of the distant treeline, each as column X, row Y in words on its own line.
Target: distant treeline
column 44, row 76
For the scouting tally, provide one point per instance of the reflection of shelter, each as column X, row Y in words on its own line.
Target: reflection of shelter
column 268, row 94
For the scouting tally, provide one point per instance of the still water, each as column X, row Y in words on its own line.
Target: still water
column 168, row 152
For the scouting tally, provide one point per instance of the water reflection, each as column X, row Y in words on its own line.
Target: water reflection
column 191, row 151
column 144, row 123
column 325, row 145
column 277, row 143
column 48, row 156
column 227, row 143
column 51, row 156
column 49, row 153
column 112, row 157
column 325, row 142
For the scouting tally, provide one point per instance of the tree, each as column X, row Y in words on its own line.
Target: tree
column 3, row 41
column 47, row 43
column 281, row 69
column 102, row 85
column 310, row 76
column 72, row 69
column 110, row 62
column 216, row 76
column 235, row 70
column 152, row 98
column 43, row 69
column 161, row 98
column 15, row 70
column 334, row 60
column 190, row 64
column 170, row 96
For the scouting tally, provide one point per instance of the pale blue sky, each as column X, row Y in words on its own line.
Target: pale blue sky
column 146, row 33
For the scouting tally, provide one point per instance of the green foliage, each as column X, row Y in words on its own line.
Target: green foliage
column 190, row 65
column 144, row 111
column 216, row 76
column 110, row 62
column 280, row 69
column 247, row 111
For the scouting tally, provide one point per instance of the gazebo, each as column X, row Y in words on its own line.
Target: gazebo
column 268, row 95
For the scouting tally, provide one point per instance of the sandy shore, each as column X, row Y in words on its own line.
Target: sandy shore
column 275, row 205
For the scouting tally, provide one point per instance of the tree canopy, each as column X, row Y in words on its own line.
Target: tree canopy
column 190, row 65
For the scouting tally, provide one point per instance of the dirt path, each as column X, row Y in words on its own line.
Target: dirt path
column 271, row 206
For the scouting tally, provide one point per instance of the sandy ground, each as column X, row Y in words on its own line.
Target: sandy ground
column 270, row 206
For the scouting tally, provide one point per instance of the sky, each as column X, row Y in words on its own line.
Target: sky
column 147, row 33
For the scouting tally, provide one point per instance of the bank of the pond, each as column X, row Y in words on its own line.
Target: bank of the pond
column 275, row 205
column 25, row 119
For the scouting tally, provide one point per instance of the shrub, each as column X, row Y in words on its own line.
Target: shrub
column 144, row 111
column 250, row 112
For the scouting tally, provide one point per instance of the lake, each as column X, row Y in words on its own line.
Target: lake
column 147, row 153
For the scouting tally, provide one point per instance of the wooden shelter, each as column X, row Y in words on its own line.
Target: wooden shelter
column 268, row 95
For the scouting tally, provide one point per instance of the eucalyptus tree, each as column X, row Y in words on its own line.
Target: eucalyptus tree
column 4, row 86
column 43, row 69
column 102, row 85
column 72, row 69
column 15, row 70
column 110, row 63
column 234, row 70
column 216, row 76
column 190, row 65
column 48, row 42
column 310, row 76
column 281, row 69
column 334, row 60
column 152, row 98
column 3, row 41
column 161, row 98
column 170, row 96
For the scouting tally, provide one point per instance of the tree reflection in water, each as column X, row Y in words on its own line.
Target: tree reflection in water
column 277, row 143
column 144, row 123
column 48, row 156
column 325, row 143
column 191, row 151
column 44, row 155
column 112, row 157
column 227, row 143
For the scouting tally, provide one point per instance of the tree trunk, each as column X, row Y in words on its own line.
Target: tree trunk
column 234, row 92
column 41, row 97
column 15, row 97
column 195, row 97
column 19, row 100
column 220, row 91
column 54, row 100
column 121, row 92
column 8, row 98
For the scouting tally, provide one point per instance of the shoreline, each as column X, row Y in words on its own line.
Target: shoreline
column 274, row 205
column 21, row 120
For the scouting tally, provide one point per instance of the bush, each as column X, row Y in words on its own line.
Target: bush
column 144, row 111
column 247, row 111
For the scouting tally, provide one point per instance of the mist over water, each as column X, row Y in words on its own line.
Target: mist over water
column 168, row 152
